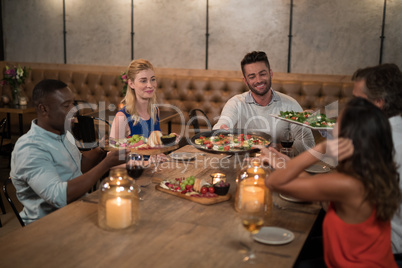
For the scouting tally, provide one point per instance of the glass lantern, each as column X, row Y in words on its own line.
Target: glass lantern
column 217, row 177
column 251, row 186
column 118, row 206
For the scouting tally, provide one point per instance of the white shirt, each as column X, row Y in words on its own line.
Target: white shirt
column 242, row 112
column 396, row 222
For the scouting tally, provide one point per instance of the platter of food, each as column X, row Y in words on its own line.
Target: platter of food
column 316, row 121
column 195, row 190
column 232, row 141
column 152, row 145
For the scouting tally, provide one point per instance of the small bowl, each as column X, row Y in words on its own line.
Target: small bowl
column 221, row 190
column 167, row 141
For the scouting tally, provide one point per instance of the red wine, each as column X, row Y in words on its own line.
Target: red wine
column 135, row 172
column 287, row 144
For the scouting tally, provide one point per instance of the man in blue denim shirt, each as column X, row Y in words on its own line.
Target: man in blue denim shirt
column 47, row 169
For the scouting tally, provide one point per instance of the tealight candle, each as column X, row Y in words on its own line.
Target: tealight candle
column 217, row 177
column 118, row 213
column 23, row 101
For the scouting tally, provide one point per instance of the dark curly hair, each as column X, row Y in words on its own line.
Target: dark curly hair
column 255, row 56
column 372, row 161
column 383, row 81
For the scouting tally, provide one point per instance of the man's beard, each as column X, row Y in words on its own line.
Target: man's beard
column 268, row 83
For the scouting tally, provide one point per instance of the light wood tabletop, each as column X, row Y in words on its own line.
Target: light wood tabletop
column 16, row 109
column 172, row 232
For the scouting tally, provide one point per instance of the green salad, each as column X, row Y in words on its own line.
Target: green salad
column 310, row 119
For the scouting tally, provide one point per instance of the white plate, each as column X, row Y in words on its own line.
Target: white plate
column 291, row 199
column 299, row 123
column 182, row 156
column 274, row 236
column 318, row 168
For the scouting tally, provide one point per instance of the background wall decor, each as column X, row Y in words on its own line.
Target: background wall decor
column 329, row 37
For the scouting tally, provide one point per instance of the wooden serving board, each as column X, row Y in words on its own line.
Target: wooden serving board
column 200, row 200
column 152, row 151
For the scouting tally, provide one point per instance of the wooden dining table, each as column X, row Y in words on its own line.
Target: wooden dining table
column 172, row 231
column 16, row 109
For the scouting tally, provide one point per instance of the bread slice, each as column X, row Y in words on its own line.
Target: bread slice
column 154, row 139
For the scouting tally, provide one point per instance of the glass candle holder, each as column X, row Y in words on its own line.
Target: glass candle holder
column 217, row 177
column 251, row 186
column 118, row 206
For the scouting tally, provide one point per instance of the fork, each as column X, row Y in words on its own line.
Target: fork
column 252, row 252
column 294, row 209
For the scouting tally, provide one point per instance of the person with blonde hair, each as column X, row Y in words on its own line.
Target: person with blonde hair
column 139, row 115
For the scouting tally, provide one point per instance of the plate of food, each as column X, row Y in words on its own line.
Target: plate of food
column 194, row 189
column 142, row 145
column 232, row 141
column 316, row 121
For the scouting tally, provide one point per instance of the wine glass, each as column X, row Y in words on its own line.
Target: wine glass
column 287, row 139
column 252, row 217
column 135, row 166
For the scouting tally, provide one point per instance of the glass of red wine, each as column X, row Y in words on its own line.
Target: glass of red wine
column 134, row 165
column 287, row 143
column 287, row 139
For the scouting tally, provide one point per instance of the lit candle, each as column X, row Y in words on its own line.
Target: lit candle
column 217, row 177
column 252, row 193
column 118, row 213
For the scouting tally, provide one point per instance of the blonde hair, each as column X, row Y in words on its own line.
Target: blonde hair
column 135, row 67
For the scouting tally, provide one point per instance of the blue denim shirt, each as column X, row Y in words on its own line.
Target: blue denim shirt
column 41, row 164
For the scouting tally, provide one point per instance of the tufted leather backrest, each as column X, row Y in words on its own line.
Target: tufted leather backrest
column 187, row 89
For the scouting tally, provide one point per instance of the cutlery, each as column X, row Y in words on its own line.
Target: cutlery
column 252, row 254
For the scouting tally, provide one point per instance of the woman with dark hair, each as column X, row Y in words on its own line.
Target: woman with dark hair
column 363, row 191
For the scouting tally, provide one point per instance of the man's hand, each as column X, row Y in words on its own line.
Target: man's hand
column 116, row 157
column 225, row 127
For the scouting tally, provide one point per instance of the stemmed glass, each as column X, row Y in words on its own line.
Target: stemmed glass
column 135, row 166
column 252, row 217
column 287, row 139
column 287, row 143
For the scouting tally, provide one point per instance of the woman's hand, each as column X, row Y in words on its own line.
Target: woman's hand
column 274, row 158
column 339, row 149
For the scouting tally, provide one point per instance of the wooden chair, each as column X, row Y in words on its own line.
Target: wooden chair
column 3, row 209
column 195, row 116
column 89, row 131
column 6, row 147
column 6, row 185
column 84, row 106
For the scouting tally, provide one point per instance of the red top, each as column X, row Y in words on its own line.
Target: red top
column 367, row 244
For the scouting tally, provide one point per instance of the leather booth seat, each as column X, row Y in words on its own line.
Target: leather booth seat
column 185, row 88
